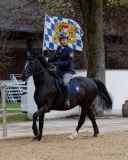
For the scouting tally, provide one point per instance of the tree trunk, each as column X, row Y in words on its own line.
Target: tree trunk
column 92, row 11
column 95, row 44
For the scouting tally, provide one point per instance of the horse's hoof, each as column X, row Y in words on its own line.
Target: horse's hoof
column 39, row 137
column 73, row 135
column 34, row 138
column 95, row 134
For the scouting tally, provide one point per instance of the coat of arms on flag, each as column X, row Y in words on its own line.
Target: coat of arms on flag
column 54, row 26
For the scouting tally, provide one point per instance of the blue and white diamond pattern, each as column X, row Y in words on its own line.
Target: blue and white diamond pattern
column 49, row 28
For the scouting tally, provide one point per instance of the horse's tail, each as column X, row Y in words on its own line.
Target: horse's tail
column 104, row 95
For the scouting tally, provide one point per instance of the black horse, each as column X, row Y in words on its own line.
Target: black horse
column 47, row 96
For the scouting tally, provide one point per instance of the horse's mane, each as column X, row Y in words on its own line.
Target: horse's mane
column 48, row 66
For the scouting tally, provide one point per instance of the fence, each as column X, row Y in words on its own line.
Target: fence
column 3, row 109
column 15, row 88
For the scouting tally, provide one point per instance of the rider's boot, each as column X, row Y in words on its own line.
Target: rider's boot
column 67, row 96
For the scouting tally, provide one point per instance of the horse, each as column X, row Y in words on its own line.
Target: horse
column 47, row 96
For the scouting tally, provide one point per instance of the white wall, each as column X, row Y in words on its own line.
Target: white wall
column 116, row 82
column 117, row 85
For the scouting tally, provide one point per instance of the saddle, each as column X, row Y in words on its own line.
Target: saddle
column 74, row 84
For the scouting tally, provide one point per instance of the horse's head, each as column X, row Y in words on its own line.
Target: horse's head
column 33, row 66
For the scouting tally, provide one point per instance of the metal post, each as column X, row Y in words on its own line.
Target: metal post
column 4, row 118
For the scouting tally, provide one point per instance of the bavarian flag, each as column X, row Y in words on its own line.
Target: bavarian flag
column 54, row 26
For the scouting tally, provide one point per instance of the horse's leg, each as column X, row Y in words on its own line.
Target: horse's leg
column 80, row 122
column 35, row 116
column 41, row 124
column 93, row 120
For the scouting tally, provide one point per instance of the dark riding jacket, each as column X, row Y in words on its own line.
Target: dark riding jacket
column 64, row 60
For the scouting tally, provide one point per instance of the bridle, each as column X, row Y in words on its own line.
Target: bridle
column 50, row 69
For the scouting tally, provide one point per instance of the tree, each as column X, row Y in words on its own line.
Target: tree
column 116, row 3
column 5, row 58
column 92, row 13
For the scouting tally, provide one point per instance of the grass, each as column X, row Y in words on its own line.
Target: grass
column 14, row 106
column 19, row 117
column 16, row 118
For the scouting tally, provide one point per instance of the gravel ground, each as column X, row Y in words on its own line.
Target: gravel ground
column 108, row 146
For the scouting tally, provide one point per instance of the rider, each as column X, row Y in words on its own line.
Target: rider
column 63, row 59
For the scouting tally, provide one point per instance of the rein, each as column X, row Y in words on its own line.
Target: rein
column 42, row 70
column 49, row 69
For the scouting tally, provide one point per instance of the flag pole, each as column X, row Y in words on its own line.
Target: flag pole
column 44, row 32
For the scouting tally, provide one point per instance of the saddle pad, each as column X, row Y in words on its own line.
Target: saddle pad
column 74, row 86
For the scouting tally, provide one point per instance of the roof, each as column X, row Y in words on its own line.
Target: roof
column 21, row 19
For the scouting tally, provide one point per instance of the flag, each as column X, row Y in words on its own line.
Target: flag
column 54, row 26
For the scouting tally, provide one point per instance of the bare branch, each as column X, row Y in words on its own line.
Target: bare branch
column 5, row 56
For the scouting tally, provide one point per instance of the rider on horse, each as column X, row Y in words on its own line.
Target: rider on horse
column 63, row 59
